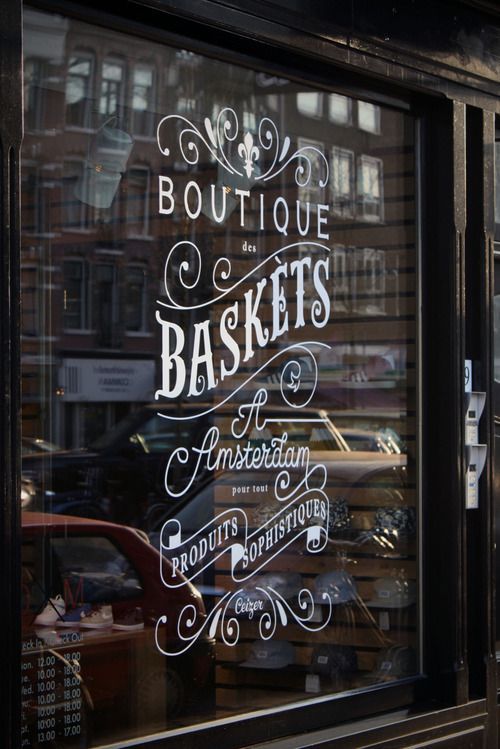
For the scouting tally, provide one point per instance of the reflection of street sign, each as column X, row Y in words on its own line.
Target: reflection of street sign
column 106, row 379
column 468, row 375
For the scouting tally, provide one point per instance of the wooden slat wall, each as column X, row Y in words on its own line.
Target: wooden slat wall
column 364, row 320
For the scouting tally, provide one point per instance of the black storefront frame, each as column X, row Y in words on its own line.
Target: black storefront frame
column 443, row 140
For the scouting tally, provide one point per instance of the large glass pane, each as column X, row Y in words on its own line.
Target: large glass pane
column 219, row 349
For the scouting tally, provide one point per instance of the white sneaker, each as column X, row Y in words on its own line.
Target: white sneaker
column 99, row 618
column 54, row 609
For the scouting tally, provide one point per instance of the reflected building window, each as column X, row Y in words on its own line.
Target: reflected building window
column 340, row 109
column 135, row 308
column 369, row 117
column 30, row 288
column 111, row 94
column 34, row 74
column 370, row 279
column 342, row 182
column 79, row 80
column 76, row 308
column 75, row 212
column 249, row 120
column 142, row 99
column 310, row 103
column 186, row 105
column 105, row 305
column 273, row 102
column 497, row 189
column 37, row 201
column 28, row 198
column 370, row 189
column 496, row 334
column 312, row 192
column 340, row 296
column 138, row 201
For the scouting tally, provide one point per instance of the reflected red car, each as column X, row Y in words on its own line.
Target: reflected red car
column 104, row 683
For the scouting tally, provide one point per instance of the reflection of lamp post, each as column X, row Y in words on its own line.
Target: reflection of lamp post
column 107, row 160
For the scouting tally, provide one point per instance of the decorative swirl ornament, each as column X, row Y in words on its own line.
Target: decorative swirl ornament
column 223, row 619
column 216, row 141
column 282, row 612
column 184, row 263
column 304, row 348
column 189, row 630
column 292, row 379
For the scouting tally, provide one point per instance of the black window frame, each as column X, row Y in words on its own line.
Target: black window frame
column 323, row 713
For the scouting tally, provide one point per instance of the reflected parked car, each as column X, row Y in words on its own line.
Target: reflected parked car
column 365, row 493
column 31, row 445
column 107, row 668
column 380, row 441
column 122, row 474
column 117, row 476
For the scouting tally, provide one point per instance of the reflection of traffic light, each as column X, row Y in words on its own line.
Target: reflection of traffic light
column 107, row 160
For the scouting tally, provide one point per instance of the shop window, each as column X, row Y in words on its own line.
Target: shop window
column 342, row 182
column 340, row 109
column 262, row 490
column 76, row 293
column 369, row 117
column 142, row 99
column 79, row 93
column 370, row 189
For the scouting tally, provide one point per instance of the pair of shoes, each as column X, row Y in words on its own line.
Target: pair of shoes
column 98, row 618
column 73, row 617
column 130, row 620
column 52, row 612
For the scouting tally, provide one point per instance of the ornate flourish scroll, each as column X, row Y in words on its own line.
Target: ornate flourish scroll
column 190, row 629
column 244, row 160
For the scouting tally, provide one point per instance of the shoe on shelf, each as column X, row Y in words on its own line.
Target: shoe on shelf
column 99, row 618
column 130, row 620
column 53, row 610
column 74, row 616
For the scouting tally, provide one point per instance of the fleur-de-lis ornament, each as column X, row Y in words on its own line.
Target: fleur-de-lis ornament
column 248, row 153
